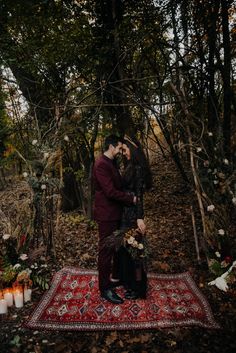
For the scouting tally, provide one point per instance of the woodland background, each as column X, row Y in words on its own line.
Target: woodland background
column 74, row 71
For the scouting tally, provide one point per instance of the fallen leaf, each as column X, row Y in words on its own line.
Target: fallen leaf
column 111, row 338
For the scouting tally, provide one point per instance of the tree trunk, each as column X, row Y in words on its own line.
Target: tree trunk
column 213, row 10
column 226, row 78
column 111, row 71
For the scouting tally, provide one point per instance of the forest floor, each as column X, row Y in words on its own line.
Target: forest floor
column 170, row 232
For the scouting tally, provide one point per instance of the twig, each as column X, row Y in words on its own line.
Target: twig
column 195, row 236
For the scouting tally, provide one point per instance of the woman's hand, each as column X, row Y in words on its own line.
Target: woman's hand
column 141, row 225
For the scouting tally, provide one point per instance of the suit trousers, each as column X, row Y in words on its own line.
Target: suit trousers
column 107, row 257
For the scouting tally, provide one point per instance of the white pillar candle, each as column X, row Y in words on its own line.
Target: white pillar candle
column 18, row 298
column 3, row 306
column 9, row 298
column 27, row 294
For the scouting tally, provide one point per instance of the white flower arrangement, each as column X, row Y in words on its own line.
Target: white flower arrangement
column 221, row 281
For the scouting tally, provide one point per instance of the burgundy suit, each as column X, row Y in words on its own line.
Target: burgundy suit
column 109, row 200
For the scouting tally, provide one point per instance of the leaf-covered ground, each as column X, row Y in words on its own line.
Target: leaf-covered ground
column 171, row 240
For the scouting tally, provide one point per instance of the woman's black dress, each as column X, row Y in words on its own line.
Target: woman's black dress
column 132, row 273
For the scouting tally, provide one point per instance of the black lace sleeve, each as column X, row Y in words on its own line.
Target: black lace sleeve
column 139, row 191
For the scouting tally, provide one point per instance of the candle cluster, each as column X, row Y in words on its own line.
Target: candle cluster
column 16, row 295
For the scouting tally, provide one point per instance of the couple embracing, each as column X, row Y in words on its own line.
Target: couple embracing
column 118, row 205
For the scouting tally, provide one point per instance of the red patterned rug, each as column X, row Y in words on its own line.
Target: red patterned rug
column 73, row 303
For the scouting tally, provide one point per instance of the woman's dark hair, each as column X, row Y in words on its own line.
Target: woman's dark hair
column 111, row 140
column 137, row 157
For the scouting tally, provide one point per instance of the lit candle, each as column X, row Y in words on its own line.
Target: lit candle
column 3, row 306
column 18, row 298
column 7, row 294
column 27, row 294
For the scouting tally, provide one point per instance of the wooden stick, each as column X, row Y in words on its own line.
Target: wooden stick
column 195, row 236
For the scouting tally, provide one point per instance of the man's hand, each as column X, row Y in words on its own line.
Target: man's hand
column 141, row 225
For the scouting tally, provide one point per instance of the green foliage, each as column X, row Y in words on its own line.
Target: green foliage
column 216, row 268
column 80, row 218
column 16, row 341
column 40, row 281
column 8, row 276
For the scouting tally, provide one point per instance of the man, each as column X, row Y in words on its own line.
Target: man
column 109, row 199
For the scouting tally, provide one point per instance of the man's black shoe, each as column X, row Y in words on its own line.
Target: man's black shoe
column 131, row 294
column 112, row 296
column 115, row 284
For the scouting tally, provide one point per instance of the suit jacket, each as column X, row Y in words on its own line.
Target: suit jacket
column 109, row 197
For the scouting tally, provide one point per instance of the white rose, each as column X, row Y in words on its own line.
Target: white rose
column 226, row 162
column 217, row 254
column 210, row 133
column 45, row 155
column 210, row 208
column 34, row 142
column 6, row 236
column 215, row 182
column 135, row 244
column 221, row 232
column 199, row 149
column 234, row 200
column 16, row 266
column 25, row 175
column 43, row 187
column 23, row 257
column 66, row 138
column 140, row 246
column 130, row 240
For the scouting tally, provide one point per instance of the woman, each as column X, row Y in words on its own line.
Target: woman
column 136, row 179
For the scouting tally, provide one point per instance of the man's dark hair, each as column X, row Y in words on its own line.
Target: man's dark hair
column 111, row 140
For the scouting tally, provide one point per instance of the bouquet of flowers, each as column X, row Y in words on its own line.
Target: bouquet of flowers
column 134, row 242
